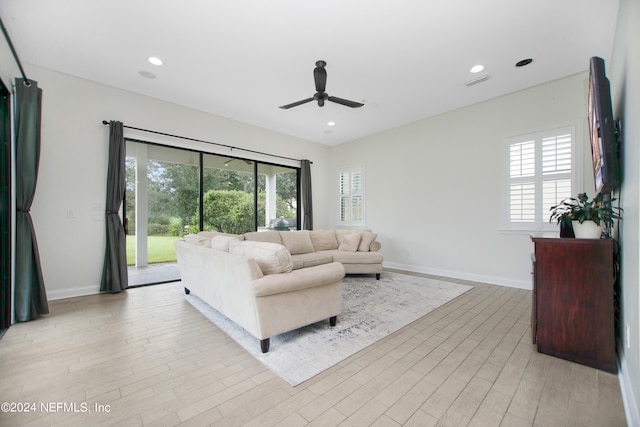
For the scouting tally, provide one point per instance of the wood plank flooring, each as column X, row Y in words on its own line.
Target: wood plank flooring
column 146, row 357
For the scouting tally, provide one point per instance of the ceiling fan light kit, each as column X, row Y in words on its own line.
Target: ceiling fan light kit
column 320, row 78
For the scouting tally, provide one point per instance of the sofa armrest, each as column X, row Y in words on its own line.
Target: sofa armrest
column 303, row 278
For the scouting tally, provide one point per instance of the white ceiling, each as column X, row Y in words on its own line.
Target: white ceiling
column 241, row 59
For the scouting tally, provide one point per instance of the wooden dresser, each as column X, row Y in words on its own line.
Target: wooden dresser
column 573, row 313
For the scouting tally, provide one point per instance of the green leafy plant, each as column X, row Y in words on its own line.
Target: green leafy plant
column 581, row 209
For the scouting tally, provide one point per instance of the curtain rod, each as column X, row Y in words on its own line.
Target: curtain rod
column 15, row 54
column 230, row 147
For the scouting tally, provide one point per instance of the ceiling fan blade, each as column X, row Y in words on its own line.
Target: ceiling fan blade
column 320, row 76
column 346, row 102
column 295, row 104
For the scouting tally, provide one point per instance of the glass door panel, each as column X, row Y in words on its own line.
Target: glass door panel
column 163, row 206
column 228, row 194
column 278, row 187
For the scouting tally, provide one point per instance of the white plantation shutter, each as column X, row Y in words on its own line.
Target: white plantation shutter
column 522, row 162
column 556, row 170
column 351, row 197
column 540, row 176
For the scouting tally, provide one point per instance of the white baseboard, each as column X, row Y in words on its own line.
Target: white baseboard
column 502, row 281
column 72, row 292
column 631, row 410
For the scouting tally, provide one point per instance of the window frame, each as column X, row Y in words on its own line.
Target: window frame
column 541, row 223
column 361, row 194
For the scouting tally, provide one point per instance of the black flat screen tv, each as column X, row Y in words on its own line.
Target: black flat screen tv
column 602, row 129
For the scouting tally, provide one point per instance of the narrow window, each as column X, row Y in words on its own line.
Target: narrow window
column 351, row 190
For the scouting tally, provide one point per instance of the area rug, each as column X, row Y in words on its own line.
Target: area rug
column 372, row 309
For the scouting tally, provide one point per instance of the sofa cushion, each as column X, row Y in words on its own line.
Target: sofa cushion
column 221, row 242
column 323, row 240
column 271, row 257
column 345, row 257
column 350, row 242
column 311, row 259
column 264, row 236
column 365, row 241
column 198, row 240
column 313, row 277
column 298, row 263
column 296, row 242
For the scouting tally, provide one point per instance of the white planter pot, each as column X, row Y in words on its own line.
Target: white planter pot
column 586, row 230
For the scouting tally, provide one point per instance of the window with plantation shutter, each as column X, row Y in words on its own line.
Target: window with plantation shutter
column 351, row 183
column 540, row 175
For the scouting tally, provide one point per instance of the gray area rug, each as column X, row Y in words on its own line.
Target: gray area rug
column 372, row 309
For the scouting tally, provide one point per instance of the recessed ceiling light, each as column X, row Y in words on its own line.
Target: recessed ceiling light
column 524, row 62
column 154, row 61
column 331, row 124
column 477, row 68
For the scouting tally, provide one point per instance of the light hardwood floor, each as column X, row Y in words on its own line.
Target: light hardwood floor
column 146, row 357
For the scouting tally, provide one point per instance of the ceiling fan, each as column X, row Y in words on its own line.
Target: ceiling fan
column 320, row 77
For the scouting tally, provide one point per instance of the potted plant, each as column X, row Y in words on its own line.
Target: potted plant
column 587, row 217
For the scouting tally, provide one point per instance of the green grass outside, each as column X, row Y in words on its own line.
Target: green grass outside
column 160, row 249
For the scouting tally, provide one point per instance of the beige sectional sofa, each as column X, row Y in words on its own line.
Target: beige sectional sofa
column 275, row 281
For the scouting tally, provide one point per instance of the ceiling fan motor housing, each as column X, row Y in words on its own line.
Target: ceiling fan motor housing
column 321, row 97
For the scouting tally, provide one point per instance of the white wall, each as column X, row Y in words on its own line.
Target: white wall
column 624, row 75
column 433, row 188
column 74, row 159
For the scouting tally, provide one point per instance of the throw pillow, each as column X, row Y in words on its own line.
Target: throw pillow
column 350, row 242
column 212, row 234
column 297, row 242
column 365, row 242
column 196, row 239
column 342, row 232
column 323, row 240
column 259, row 236
column 272, row 258
column 221, row 242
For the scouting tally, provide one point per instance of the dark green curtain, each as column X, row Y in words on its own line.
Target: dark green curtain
column 114, row 271
column 30, row 295
column 5, row 208
column 305, row 190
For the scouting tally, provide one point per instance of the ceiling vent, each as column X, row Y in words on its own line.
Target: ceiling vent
column 477, row 80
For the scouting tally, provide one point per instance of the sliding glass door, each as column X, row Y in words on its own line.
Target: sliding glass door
column 171, row 192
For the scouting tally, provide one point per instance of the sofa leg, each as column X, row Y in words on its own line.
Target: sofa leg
column 333, row 320
column 187, row 291
column 264, row 345
column 377, row 276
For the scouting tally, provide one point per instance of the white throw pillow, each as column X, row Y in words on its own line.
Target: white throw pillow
column 221, row 242
column 297, row 242
column 272, row 258
column 365, row 241
column 198, row 240
column 323, row 240
column 350, row 242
